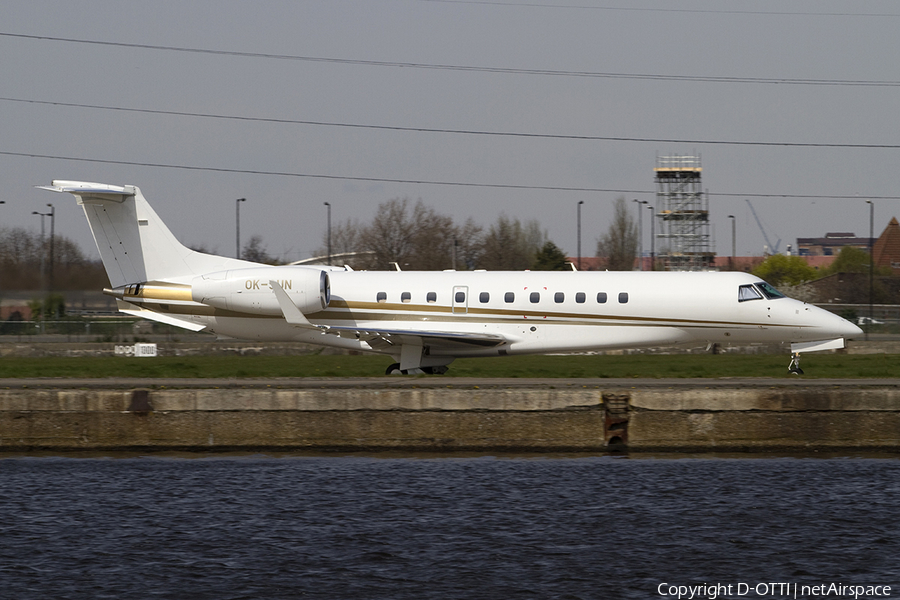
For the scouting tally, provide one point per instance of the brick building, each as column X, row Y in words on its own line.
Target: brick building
column 886, row 252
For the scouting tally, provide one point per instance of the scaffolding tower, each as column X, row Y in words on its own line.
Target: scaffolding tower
column 683, row 212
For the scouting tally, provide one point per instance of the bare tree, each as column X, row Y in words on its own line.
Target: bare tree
column 254, row 251
column 418, row 237
column 391, row 236
column 20, row 263
column 346, row 243
column 619, row 245
column 468, row 243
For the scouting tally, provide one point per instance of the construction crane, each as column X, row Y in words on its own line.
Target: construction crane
column 773, row 249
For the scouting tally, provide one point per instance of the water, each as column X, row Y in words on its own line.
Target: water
column 229, row 527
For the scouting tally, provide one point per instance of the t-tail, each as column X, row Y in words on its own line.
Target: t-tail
column 134, row 243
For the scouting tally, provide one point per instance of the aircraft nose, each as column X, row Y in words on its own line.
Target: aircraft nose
column 850, row 329
column 839, row 326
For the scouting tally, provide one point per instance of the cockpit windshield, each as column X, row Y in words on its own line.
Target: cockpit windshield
column 757, row 292
column 748, row 292
column 770, row 292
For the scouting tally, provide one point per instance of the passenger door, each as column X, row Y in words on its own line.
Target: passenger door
column 460, row 299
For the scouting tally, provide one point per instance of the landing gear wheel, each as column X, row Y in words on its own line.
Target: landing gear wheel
column 794, row 368
column 395, row 369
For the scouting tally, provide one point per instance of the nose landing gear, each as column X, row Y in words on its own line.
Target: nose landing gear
column 794, row 368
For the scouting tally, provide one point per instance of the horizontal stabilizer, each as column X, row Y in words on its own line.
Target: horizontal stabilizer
column 142, row 313
column 86, row 188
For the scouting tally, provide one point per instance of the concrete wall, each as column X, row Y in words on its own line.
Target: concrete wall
column 688, row 417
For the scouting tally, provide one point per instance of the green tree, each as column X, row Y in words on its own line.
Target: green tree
column 779, row 269
column 549, row 258
column 852, row 260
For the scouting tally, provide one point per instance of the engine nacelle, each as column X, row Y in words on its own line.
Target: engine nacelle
column 248, row 290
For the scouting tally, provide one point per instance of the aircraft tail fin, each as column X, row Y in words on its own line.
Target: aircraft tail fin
column 134, row 243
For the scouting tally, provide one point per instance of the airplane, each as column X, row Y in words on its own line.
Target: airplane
column 426, row 319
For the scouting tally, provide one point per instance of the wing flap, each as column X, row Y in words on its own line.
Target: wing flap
column 382, row 339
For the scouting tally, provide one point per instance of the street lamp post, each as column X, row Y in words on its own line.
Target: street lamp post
column 652, row 237
column 237, row 226
column 43, row 252
column 580, row 202
column 871, row 261
column 329, row 232
column 733, row 243
column 52, row 236
column 640, row 251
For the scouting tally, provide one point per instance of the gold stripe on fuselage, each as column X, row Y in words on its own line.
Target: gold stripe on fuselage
column 369, row 312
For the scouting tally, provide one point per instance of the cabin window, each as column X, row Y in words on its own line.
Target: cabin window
column 601, row 297
column 381, row 297
column 431, row 297
column 623, row 297
column 770, row 292
column 460, row 297
column 535, row 297
column 748, row 292
column 509, row 297
column 405, row 297
column 484, row 297
column 559, row 297
column 580, row 297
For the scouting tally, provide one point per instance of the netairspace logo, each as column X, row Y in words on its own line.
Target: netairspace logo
column 713, row 591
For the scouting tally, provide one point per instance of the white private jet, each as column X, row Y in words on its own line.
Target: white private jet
column 424, row 320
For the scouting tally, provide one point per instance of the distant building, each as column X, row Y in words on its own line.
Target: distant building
column 831, row 244
column 720, row 263
column 887, row 247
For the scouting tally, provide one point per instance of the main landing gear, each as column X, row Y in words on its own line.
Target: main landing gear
column 394, row 369
column 794, row 368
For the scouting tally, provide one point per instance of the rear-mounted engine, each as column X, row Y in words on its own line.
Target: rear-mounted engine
column 248, row 290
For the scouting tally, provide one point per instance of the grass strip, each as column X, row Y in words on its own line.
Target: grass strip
column 575, row 366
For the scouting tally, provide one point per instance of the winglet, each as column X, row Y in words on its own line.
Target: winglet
column 291, row 313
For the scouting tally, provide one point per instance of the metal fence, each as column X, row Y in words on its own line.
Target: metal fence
column 80, row 329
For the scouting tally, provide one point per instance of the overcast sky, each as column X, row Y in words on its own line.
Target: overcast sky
column 824, row 80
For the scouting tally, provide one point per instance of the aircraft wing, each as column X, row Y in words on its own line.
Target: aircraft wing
column 384, row 339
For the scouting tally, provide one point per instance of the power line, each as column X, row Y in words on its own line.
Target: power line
column 441, row 130
column 476, row 69
column 666, row 10
column 418, row 181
